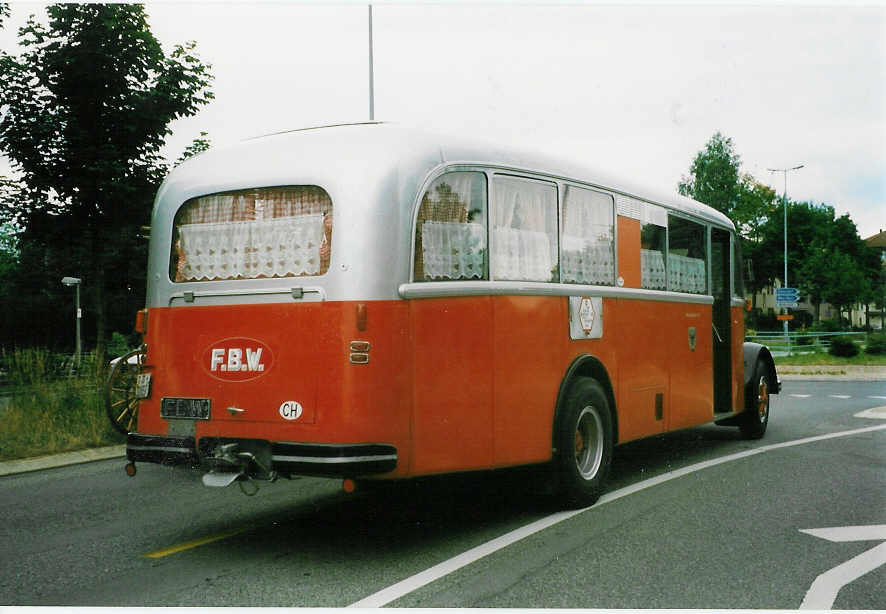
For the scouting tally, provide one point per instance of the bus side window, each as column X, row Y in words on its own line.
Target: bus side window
column 450, row 229
column 524, row 230
column 587, row 238
column 653, row 245
column 686, row 256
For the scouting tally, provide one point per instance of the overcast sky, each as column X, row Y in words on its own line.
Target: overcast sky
column 637, row 90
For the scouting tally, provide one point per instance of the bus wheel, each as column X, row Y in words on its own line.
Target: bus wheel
column 584, row 444
column 756, row 415
column 121, row 404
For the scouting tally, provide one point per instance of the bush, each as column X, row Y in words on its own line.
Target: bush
column 876, row 344
column 843, row 346
column 825, row 326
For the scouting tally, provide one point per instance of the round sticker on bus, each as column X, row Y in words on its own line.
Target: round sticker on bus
column 291, row 410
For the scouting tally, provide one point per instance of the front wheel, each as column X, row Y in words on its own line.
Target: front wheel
column 756, row 414
column 584, row 444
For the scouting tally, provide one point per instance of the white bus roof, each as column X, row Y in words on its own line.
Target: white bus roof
column 279, row 158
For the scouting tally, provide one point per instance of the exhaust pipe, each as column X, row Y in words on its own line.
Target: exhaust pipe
column 228, row 465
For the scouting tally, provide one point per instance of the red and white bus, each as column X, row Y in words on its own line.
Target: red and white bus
column 369, row 301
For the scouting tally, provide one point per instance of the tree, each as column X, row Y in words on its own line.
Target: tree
column 87, row 109
column 714, row 176
column 197, row 146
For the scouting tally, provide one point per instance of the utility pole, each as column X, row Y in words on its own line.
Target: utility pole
column 371, row 84
column 785, row 201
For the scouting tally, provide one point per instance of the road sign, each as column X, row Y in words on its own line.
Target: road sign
column 786, row 297
column 785, row 317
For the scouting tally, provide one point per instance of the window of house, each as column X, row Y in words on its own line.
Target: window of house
column 586, row 237
column 450, row 230
column 253, row 234
column 524, row 214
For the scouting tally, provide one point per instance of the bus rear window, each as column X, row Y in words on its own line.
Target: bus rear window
column 253, row 234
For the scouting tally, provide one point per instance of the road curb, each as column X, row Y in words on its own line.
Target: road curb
column 832, row 372
column 26, row 465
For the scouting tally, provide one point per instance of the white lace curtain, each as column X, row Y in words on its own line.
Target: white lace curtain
column 586, row 240
column 525, row 227
column 276, row 232
column 686, row 274
column 451, row 231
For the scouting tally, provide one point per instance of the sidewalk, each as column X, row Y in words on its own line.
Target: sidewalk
column 26, row 465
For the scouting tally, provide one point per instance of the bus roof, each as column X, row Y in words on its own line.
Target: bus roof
column 271, row 160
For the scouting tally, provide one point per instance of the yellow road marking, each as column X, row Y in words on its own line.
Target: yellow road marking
column 194, row 543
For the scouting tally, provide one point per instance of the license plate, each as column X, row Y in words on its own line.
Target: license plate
column 192, row 409
column 143, row 386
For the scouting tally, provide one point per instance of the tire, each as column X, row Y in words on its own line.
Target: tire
column 757, row 399
column 584, row 444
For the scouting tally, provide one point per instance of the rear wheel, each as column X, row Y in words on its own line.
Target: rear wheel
column 121, row 403
column 584, row 444
column 756, row 415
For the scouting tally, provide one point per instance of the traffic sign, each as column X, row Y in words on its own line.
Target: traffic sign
column 786, row 297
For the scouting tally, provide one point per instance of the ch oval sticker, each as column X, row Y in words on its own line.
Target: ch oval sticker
column 291, row 410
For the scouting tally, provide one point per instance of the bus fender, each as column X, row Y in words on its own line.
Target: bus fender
column 754, row 352
column 585, row 365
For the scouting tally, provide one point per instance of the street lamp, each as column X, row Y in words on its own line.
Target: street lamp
column 785, row 200
column 75, row 281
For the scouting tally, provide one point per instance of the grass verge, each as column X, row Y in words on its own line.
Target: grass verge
column 47, row 413
column 825, row 359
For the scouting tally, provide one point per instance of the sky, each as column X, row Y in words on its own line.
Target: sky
column 636, row 90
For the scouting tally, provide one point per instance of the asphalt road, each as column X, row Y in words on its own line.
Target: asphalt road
column 728, row 535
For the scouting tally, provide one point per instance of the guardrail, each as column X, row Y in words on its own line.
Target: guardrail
column 800, row 343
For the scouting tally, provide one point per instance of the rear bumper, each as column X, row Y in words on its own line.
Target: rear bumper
column 321, row 459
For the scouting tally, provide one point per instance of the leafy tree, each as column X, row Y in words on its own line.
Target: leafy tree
column 197, row 146
column 807, row 224
column 714, row 176
column 87, row 108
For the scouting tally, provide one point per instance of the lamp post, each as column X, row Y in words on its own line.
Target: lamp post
column 785, row 201
column 371, row 79
column 78, row 314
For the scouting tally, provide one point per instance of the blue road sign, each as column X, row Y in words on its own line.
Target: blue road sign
column 786, row 297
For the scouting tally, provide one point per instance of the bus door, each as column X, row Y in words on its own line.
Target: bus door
column 722, row 320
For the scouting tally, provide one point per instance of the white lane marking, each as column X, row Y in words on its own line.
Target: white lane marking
column 876, row 397
column 877, row 413
column 415, row 582
column 823, row 592
column 801, row 396
column 839, row 396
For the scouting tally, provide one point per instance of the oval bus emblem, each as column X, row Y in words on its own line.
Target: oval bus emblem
column 237, row 359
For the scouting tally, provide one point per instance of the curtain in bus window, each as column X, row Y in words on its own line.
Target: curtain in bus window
column 525, row 230
column 450, row 240
column 253, row 234
column 586, row 238
column 687, row 241
column 653, row 242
